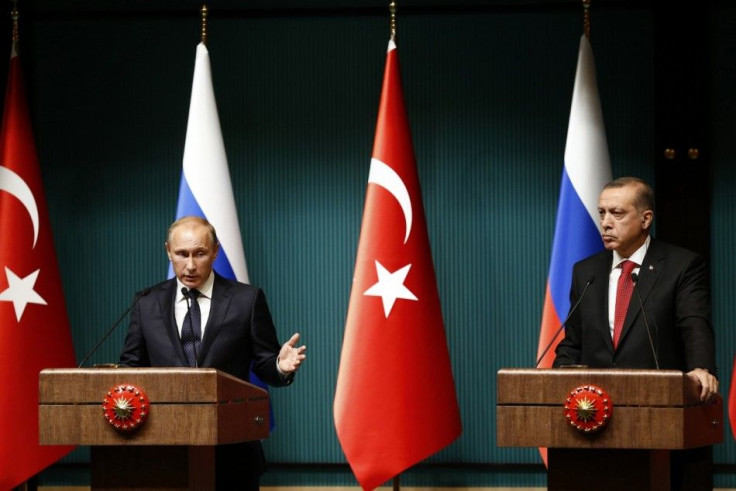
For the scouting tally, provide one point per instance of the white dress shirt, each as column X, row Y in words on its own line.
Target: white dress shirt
column 204, row 300
column 638, row 258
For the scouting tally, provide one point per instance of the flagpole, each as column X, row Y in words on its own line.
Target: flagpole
column 14, row 15
column 204, row 24
column 392, row 8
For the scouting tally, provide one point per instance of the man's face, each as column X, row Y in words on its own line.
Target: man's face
column 624, row 228
column 191, row 253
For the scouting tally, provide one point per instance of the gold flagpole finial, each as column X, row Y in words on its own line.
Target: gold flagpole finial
column 586, row 18
column 204, row 24
column 14, row 15
column 392, row 8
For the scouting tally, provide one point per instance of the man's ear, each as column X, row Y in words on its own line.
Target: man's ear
column 646, row 219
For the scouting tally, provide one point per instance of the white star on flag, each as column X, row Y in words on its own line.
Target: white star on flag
column 20, row 291
column 390, row 286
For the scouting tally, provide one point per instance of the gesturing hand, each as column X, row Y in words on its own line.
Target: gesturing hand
column 291, row 357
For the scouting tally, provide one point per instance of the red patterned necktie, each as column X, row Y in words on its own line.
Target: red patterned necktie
column 623, row 295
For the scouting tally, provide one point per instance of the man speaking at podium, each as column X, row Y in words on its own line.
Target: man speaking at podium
column 200, row 319
column 647, row 304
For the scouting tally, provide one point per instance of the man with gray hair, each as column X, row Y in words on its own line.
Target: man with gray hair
column 671, row 327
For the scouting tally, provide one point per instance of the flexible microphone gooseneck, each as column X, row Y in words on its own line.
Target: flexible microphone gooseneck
column 185, row 292
column 559, row 329
column 138, row 296
column 635, row 279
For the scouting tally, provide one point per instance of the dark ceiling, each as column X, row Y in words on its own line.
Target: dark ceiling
column 306, row 6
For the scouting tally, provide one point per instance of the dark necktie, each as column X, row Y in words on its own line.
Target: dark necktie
column 191, row 331
column 623, row 296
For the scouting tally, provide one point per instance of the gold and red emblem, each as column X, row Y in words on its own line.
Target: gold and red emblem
column 588, row 408
column 125, row 407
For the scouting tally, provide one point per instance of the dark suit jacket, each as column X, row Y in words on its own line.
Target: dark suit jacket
column 674, row 291
column 239, row 331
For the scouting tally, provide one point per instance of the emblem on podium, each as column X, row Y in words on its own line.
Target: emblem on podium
column 126, row 407
column 588, row 408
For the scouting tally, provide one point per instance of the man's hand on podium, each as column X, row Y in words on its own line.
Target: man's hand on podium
column 708, row 383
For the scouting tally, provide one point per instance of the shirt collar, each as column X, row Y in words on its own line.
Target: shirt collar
column 204, row 291
column 637, row 256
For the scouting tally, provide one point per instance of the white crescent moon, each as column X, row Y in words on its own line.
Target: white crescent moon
column 15, row 185
column 387, row 178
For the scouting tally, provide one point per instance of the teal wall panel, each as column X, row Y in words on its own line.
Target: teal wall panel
column 488, row 95
column 723, row 215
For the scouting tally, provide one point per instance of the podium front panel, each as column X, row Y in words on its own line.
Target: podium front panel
column 652, row 409
column 187, row 407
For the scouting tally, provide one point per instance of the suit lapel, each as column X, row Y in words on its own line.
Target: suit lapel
column 602, row 275
column 649, row 271
column 166, row 305
column 219, row 304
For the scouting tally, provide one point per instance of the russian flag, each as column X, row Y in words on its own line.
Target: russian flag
column 577, row 230
column 205, row 189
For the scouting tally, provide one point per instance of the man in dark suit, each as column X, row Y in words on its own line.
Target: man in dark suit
column 673, row 328
column 201, row 319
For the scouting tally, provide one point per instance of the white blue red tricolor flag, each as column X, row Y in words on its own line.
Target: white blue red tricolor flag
column 205, row 189
column 587, row 169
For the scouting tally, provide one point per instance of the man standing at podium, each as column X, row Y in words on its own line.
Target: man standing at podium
column 200, row 319
column 642, row 303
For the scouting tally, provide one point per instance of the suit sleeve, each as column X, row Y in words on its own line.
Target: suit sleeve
column 568, row 351
column 693, row 316
column 266, row 345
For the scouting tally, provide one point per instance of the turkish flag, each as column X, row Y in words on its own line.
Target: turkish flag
column 34, row 328
column 732, row 401
column 395, row 401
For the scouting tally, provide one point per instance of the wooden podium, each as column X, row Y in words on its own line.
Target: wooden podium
column 191, row 411
column 654, row 412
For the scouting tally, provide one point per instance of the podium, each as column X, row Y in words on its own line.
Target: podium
column 652, row 413
column 191, row 411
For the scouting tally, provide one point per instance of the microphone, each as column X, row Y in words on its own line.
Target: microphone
column 185, row 292
column 138, row 296
column 635, row 279
column 572, row 310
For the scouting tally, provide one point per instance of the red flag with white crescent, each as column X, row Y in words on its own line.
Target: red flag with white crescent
column 732, row 401
column 34, row 327
column 395, row 401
